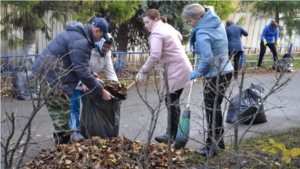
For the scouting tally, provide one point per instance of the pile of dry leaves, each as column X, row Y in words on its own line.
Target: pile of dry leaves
column 116, row 89
column 117, row 152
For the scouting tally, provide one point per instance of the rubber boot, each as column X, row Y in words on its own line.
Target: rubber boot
column 61, row 138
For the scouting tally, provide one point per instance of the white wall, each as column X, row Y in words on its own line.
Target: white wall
column 255, row 25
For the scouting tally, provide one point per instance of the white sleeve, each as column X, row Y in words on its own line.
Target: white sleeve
column 109, row 68
column 96, row 63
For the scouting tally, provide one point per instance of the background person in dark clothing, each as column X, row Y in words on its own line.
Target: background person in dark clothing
column 65, row 61
column 270, row 38
column 235, row 44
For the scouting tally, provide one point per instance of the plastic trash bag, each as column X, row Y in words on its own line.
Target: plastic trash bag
column 285, row 64
column 250, row 105
column 24, row 82
column 100, row 117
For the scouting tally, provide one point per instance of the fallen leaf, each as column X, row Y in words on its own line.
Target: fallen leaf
column 68, row 161
column 277, row 163
column 295, row 152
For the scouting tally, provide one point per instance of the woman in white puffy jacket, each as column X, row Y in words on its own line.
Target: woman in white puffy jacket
column 100, row 61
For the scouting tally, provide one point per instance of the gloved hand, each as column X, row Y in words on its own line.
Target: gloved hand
column 265, row 42
column 140, row 76
column 193, row 75
column 277, row 42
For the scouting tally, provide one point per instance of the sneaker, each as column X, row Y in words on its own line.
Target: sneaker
column 76, row 137
column 163, row 139
column 205, row 151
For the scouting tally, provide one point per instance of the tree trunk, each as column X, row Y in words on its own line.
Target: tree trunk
column 122, row 37
column 277, row 15
column 29, row 37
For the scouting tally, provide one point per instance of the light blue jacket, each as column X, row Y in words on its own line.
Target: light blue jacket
column 210, row 41
column 270, row 34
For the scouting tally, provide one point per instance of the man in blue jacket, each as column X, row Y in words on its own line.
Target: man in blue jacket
column 65, row 61
column 270, row 38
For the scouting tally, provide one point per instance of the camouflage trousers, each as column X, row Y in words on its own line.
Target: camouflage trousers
column 58, row 106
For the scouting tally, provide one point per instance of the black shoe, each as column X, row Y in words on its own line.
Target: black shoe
column 163, row 138
column 61, row 138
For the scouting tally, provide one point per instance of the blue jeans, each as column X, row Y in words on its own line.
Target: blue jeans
column 75, row 108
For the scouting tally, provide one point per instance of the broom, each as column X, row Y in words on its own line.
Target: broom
column 183, row 131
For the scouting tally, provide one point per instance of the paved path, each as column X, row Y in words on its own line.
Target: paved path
column 135, row 116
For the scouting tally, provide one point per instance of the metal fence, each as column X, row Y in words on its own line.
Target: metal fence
column 128, row 63
column 254, row 51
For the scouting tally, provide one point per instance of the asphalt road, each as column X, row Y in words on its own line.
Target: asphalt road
column 282, row 110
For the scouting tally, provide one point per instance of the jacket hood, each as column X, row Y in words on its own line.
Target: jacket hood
column 209, row 20
column 269, row 27
column 84, row 29
column 99, row 44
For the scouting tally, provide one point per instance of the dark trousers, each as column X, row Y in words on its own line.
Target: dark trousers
column 263, row 51
column 175, row 110
column 209, row 98
column 236, row 59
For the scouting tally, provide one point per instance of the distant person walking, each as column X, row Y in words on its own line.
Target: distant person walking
column 235, row 44
column 270, row 38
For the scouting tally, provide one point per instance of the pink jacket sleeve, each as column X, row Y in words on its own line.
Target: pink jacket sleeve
column 156, row 44
column 179, row 35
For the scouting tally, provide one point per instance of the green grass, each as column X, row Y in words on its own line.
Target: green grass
column 128, row 81
column 251, row 152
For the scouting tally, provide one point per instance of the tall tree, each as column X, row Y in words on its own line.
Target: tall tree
column 28, row 16
column 132, row 33
column 282, row 11
column 118, row 14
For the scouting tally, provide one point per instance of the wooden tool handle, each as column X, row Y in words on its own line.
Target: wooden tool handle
column 130, row 86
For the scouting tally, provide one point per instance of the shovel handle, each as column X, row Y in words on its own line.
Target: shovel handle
column 191, row 86
column 130, row 85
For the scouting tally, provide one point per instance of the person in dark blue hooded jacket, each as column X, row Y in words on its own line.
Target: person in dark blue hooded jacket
column 65, row 61
column 270, row 38
column 235, row 45
column 209, row 39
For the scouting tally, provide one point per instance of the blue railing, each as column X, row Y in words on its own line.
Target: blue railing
column 253, row 51
column 128, row 63
column 9, row 63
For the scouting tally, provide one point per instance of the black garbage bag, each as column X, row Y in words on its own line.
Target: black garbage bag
column 24, row 82
column 250, row 105
column 100, row 117
column 285, row 64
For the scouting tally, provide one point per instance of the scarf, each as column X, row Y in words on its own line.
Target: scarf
column 193, row 39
